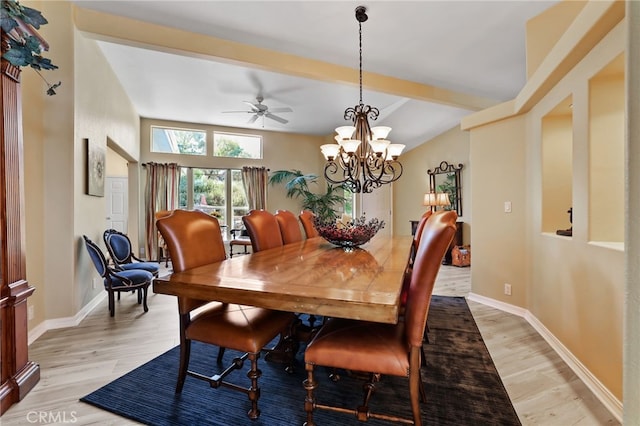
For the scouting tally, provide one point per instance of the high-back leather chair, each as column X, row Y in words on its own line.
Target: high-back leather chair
column 194, row 239
column 163, row 251
column 263, row 230
column 412, row 254
column 385, row 349
column 306, row 218
column 289, row 226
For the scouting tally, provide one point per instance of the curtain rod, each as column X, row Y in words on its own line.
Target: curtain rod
column 192, row 167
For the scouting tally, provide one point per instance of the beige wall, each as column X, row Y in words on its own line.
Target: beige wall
column 89, row 104
column 116, row 166
column 498, row 240
column 451, row 146
column 574, row 288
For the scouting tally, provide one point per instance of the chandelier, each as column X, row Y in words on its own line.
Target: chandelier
column 362, row 159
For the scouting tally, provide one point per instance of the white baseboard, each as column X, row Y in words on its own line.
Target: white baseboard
column 613, row 404
column 73, row 321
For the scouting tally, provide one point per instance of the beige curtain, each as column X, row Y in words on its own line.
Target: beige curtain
column 161, row 193
column 255, row 180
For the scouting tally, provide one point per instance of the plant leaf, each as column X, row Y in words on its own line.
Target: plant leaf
column 33, row 17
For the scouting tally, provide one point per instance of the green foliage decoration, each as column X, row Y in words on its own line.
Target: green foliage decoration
column 297, row 185
column 24, row 48
column 449, row 186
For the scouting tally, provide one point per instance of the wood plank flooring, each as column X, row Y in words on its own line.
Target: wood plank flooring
column 79, row 360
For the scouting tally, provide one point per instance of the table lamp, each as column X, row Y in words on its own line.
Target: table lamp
column 436, row 199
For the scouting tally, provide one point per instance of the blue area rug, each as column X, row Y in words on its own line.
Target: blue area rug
column 462, row 385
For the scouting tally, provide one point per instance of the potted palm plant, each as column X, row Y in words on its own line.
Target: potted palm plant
column 297, row 185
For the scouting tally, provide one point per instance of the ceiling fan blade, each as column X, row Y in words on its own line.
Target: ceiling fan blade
column 276, row 118
column 253, row 106
column 282, row 109
column 233, row 112
column 252, row 119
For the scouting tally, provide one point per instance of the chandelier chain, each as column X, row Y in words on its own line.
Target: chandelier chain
column 360, row 52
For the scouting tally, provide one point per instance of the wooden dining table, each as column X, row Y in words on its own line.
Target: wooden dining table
column 311, row 276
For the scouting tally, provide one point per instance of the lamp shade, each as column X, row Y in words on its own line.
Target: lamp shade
column 380, row 132
column 442, row 199
column 430, row 199
column 345, row 132
column 394, row 150
column 330, row 151
column 350, row 145
column 379, row 145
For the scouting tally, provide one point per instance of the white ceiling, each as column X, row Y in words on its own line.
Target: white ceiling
column 472, row 47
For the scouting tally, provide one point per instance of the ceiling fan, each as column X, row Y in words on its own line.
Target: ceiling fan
column 260, row 110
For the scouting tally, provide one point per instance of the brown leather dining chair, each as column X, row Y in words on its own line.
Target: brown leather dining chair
column 163, row 252
column 289, row 226
column 414, row 248
column 384, row 349
column 263, row 230
column 306, row 218
column 194, row 239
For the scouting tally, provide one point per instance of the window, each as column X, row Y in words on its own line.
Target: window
column 219, row 192
column 236, row 145
column 178, row 141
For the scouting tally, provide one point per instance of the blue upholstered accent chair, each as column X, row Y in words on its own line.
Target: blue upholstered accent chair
column 116, row 281
column 120, row 249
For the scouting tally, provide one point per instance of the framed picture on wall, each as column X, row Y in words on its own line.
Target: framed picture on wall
column 96, row 155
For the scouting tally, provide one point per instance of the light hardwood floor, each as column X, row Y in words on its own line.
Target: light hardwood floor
column 79, row 360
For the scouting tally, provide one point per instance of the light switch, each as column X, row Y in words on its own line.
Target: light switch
column 507, row 206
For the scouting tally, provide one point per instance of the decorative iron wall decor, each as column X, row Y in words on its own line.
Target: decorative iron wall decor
column 446, row 178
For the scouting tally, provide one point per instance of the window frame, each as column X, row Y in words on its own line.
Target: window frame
column 181, row 129
column 247, row 135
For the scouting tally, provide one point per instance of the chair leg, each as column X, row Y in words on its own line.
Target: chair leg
column 362, row 413
column 254, row 391
column 185, row 353
column 309, row 401
column 140, row 296
column 145, row 290
column 220, row 354
column 112, row 303
column 415, row 383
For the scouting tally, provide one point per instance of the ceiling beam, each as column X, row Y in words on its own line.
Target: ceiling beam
column 117, row 29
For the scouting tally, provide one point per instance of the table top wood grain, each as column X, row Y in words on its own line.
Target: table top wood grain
column 311, row 276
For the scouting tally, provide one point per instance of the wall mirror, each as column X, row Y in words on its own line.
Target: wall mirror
column 446, row 178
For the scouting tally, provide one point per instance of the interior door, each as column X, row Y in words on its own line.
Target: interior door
column 377, row 204
column 117, row 203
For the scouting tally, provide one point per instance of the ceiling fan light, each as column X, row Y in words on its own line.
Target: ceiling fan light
column 380, row 132
column 345, row 132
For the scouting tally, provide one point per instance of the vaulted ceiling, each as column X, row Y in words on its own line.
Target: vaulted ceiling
column 428, row 63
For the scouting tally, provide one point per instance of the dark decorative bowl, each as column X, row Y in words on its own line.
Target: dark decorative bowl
column 350, row 234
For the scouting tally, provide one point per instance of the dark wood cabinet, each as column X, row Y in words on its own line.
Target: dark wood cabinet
column 457, row 239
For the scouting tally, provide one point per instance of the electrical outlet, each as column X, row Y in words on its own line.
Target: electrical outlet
column 95, row 282
column 507, row 289
column 30, row 313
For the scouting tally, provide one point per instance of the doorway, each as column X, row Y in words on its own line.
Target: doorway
column 117, row 203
